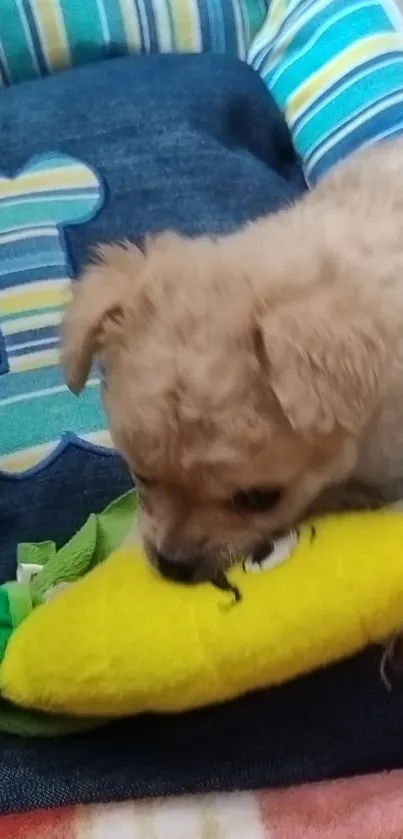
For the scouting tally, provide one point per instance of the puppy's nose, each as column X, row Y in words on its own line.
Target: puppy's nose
column 178, row 570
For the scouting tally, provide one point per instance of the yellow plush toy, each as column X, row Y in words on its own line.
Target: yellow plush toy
column 121, row 640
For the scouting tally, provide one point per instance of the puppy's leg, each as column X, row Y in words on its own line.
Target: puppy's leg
column 356, row 496
column 350, row 496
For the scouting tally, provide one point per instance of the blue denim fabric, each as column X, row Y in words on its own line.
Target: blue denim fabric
column 192, row 143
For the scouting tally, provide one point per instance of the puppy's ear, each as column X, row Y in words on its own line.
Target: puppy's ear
column 324, row 371
column 96, row 310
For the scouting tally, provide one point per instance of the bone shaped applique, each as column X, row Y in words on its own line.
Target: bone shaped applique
column 52, row 191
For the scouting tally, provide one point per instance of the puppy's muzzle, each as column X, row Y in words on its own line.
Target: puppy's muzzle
column 184, row 570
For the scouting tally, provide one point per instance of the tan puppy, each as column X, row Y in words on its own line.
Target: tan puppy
column 245, row 375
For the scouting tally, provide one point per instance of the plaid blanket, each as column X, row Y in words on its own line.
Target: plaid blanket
column 360, row 808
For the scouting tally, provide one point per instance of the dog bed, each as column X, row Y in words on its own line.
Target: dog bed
column 122, row 125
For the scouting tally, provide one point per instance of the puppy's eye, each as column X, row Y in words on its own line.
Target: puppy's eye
column 255, row 500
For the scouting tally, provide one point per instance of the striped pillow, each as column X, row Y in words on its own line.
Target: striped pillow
column 335, row 68
column 38, row 37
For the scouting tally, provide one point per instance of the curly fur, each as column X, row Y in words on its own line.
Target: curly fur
column 269, row 357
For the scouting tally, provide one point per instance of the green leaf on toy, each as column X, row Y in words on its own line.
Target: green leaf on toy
column 37, row 553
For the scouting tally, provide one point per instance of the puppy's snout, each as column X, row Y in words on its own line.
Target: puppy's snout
column 184, row 570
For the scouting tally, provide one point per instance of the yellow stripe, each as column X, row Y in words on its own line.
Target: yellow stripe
column 20, row 461
column 268, row 33
column 53, row 38
column 45, row 295
column 34, row 361
column 27, row 458
column 362, row 50
column 186, row 24
column 69, row 177
column 163, row 27
column 277, row 12
column 131, row 25
column 99, row 438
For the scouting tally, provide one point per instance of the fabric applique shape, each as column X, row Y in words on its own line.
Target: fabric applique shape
column 52, row 191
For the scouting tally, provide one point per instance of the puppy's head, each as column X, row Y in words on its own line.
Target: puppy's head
column 233, row 400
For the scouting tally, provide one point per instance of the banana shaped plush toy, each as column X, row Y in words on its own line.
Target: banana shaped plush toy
column 121, row 640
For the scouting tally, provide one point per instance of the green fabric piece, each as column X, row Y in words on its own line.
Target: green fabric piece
column 5, row 622
column 70, row 563
column 23, row 723
column 115, row 523
column 100, row 535
column 20, row 602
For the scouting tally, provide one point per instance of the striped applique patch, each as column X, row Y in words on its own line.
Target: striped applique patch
column 36, row 409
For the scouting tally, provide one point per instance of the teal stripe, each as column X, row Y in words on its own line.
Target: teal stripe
column 31, row 260
column 286, row 33
column 15, row 384
column 254, row 13
column 387, row 109
column 46, row 211
column 115, row 25
column 83, row 30
column 45, row 163
column 16, row 48
column 337, row 37
column 378, row 82
column 7, row 318
column 48, row 418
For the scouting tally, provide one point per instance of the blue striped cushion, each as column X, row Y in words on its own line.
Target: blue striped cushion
column 38, row 37
column 335, row 67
